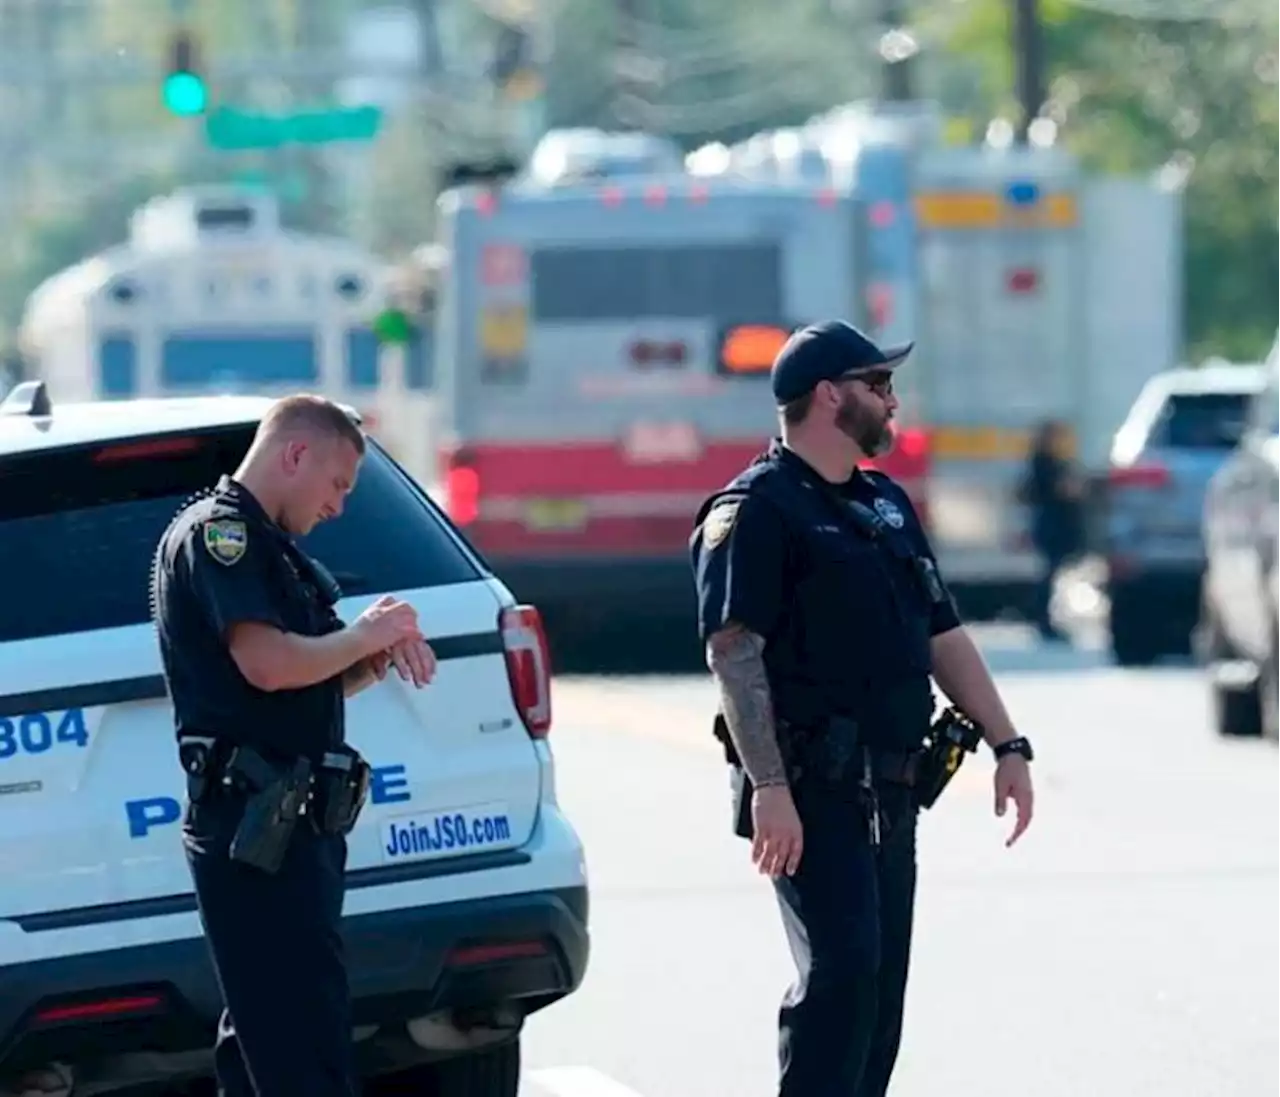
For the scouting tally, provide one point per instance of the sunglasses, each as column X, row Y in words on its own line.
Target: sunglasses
column 878, row 381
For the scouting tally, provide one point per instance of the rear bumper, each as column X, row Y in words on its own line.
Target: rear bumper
column 402, row 964
column 585, row 587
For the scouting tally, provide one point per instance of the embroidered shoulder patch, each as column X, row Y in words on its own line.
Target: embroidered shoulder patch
column 718, row 523
column 226, row 539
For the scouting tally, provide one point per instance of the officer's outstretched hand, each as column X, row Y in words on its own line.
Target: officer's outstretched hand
column 387, row 623
column 1013, row 781
column 779, row 839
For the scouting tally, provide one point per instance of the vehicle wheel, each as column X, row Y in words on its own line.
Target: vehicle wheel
column 1239, row 711
column 494, row 1072
column 1269, row 693
column 1132, row 642
column 1236, row 711
column 491, row 1073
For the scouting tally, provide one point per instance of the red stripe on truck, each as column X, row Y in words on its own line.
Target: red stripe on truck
column 562, row 499
column 557, row 499
column 534, row 469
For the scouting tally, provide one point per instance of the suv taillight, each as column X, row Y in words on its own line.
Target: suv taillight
column 1138, row 476
column 524, row 641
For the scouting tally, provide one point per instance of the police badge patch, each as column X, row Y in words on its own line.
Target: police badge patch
column 716, row 526
column 226, row 539
column 888, row 510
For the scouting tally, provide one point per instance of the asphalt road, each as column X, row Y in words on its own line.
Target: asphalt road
column 1127, row 946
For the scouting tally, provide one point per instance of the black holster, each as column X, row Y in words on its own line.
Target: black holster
column 276, row 799
column 341, row 787
column 952, row 735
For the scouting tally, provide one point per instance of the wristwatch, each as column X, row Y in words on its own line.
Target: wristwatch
column 1020, row 745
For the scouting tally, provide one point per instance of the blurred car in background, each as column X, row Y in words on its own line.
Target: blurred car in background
column 1239, row 612
column 1181, row 430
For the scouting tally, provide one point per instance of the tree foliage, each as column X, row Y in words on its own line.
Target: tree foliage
column 1192, row 98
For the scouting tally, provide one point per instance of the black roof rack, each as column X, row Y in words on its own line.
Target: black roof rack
column 27, row 398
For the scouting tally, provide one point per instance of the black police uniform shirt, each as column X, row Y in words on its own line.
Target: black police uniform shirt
column 847, row 622
column 223, row 561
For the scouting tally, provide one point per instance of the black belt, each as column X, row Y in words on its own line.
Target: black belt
column 331, row 792
column 206, row 759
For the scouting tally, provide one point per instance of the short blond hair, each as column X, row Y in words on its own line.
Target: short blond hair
column 313, row 414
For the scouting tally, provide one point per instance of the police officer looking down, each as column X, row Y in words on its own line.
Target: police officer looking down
column 824, row 618
column 258, row 665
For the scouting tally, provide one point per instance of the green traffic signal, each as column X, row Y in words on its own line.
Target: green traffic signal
column 393, row 326
column 184, row 93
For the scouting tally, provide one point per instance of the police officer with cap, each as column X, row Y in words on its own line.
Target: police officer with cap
column 824, row 620
column 258, row 664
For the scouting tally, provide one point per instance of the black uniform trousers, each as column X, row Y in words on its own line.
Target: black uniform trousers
column 285, row 1030
column 848, row 914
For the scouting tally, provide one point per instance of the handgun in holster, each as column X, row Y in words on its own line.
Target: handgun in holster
column 741, row 790
column 277, row 797
column 341, row 788
column 196, row 755
column 952, row 735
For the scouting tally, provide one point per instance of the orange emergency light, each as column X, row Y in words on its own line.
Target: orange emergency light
column 751, row 348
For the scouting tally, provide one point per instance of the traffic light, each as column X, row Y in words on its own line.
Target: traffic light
column 184, row 92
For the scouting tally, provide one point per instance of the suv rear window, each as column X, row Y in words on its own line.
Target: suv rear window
column 78, row 530
column 1211, row 420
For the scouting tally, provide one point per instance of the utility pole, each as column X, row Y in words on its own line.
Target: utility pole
column 627, row 103
column 1028, row 58
column 897, row 50
column 430, row 56
column 313, row 31
column 49, row 18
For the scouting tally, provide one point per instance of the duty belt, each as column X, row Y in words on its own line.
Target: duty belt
column 336, row 788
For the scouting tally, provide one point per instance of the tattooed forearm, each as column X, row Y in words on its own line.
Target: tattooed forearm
column 735, row 657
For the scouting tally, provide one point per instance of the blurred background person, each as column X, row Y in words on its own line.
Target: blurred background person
column 1053, row 489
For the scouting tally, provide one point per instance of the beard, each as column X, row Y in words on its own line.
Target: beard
column 868, row 428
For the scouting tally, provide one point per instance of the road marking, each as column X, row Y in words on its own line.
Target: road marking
column 579, row 1082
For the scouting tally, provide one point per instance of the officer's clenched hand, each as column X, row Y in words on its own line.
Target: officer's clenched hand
column 1013, row 781
column 414, row 661
column 779, row 839
column 385, row 624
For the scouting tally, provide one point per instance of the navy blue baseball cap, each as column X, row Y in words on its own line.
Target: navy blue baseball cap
column 826, row 352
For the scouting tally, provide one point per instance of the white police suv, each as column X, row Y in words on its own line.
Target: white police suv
column 466, row 906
